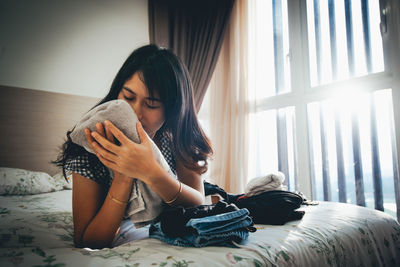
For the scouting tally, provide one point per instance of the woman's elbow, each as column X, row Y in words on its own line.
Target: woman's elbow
column 92, row 244
column 201, row 200
column 198, row 200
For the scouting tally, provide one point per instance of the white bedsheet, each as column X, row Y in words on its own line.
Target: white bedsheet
column 37, row 231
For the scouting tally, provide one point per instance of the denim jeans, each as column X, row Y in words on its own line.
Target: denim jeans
column 217, row 230
column 174, row 219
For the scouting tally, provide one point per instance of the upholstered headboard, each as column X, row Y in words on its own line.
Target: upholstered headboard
column 34, row 125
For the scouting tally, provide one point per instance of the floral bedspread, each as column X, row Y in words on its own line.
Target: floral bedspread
column 37, row 231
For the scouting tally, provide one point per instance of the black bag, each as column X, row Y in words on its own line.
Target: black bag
column 272, row 207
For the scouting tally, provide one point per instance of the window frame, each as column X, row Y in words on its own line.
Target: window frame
column 303, row 93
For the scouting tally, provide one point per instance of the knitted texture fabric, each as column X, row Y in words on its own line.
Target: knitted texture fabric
column 144, row 204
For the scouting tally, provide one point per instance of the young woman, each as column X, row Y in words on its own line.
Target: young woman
column 157, row 86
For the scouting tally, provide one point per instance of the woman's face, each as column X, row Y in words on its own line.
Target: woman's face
column 150, row 111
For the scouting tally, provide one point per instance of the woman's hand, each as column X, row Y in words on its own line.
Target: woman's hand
column 130, row 159
column 104, row 133
column 101, row 131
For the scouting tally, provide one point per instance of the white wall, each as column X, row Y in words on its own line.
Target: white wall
column 68, row 46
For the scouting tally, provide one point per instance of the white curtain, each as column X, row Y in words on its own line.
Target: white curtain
column 243, row 77
column 228, row 96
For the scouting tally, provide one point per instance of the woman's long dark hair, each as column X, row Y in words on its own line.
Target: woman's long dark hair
column 162, row 72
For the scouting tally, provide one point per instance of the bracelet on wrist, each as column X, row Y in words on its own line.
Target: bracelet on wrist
column 177, row 194
column 116, row 200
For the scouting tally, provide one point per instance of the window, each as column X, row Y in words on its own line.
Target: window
column 324, row 103
column 352, row 141
column 325, row 90
column 344, row 39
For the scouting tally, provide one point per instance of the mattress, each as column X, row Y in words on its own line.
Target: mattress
column 37, row 230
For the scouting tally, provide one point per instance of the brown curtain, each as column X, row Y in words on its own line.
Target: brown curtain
column 194, row 30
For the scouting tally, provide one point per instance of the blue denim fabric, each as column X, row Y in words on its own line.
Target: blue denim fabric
column 220, row 223
column 217, row 230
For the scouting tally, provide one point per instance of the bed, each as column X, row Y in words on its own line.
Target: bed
column 37, row 229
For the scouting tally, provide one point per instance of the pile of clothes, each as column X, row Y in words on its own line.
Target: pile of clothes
column 231, row 218
column 205, row 225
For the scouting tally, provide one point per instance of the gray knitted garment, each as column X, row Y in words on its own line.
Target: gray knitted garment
column 144, row 204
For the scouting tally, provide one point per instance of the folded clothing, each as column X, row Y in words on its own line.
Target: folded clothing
column 272, row 181
column 144, row 204
column 174, row 219
column 215, row 230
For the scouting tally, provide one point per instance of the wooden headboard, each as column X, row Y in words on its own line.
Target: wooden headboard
column 34, row 125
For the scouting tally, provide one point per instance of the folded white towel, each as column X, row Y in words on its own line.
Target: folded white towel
column 272, row 181
column 144, row 204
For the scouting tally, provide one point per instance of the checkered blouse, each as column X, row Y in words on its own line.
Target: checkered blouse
column 90, row 166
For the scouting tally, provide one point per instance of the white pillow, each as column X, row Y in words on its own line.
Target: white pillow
column 15, row 181
column 60, row 182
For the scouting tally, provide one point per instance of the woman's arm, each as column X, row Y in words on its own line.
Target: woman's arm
column 167, row 187
column 97, row 217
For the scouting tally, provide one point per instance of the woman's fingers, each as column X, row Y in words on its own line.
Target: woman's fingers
column 109, row 135
column 117, row 133
column 100, row 151
column 108, row 163
column 100, row 129
column 105, row 143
